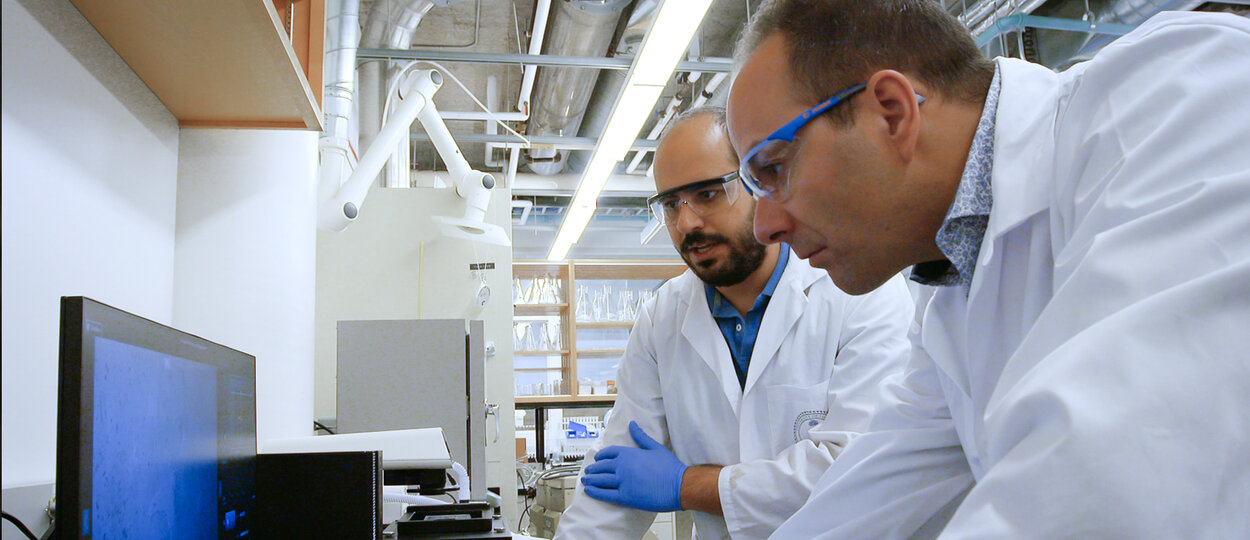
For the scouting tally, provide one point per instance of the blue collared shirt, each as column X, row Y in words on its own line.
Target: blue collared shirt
column 961, row 233
column 740, row 331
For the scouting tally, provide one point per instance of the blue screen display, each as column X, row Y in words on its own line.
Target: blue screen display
column 156, row 430
column 154, row 445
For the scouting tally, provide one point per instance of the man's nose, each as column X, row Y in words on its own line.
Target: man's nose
column 772, row 223
column 687, row 219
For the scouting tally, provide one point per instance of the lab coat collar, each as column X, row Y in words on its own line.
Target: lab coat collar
column 705, row 338
column 1023, row 146
column 784, row 309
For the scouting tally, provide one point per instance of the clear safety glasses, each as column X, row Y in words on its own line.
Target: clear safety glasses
column 704, row 198
column 765, row 170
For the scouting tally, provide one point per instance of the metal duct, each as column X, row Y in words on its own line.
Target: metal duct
column 608, row 88
column 340, row 65
column 334, row 145
column 381, row 28
column 578, row 28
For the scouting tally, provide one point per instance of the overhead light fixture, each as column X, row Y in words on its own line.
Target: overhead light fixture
column 664, row 45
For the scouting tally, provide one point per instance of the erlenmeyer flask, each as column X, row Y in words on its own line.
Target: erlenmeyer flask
column 627, row 305
column 584, row 307
column 518, row 336
column 548, row 291
column 532, row 337
column 551, row 335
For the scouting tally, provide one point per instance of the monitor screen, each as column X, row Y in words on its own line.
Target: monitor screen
column 156, row 434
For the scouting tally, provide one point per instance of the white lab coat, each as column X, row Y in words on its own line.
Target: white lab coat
column 819, row 351
column 1095, row 382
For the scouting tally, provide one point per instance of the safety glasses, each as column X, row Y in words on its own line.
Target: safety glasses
column 704, row 198
column 765, row 170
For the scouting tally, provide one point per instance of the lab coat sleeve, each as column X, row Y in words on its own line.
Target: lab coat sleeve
column 757, row 495
column 638, row 399
column 891, row 481
column 1125, row 412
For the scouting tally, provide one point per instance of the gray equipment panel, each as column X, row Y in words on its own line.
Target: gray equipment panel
column 403, row 374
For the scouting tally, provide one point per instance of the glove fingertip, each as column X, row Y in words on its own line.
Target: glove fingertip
column 601, row 494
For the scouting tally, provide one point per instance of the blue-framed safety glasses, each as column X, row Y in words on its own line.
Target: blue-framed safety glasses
column 765, row 169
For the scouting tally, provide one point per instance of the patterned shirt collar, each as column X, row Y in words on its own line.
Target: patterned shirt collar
column 960, row 235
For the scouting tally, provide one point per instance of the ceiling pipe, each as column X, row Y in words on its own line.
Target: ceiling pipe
column 670, row 112
column 582, row 28
column 372, row 83
column 558, row 143
column 542, row 9
column 610, row 82
column 492, row 128
column 1020, row 21
column 617, row 63
column 391, row 25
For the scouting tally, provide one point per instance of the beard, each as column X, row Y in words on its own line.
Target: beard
column 745, row 256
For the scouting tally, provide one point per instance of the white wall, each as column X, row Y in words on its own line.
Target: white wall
column 375, row 270
column 212, row 232
column 245, row 263
column 89, row 183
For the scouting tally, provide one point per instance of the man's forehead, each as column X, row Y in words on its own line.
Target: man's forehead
column 697, row 149
column 759, row 93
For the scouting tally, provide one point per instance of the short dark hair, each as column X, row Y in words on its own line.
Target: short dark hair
column 834, row 44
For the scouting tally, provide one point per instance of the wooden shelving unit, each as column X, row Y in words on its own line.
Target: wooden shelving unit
column 569, row 272
column 222, row 63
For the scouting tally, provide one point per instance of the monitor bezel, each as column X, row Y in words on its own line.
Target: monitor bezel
column 76, row 388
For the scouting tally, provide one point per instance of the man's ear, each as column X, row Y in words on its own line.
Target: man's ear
column 891, row 95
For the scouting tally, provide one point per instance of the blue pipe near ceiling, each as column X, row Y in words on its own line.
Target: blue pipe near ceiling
column 1021, row 21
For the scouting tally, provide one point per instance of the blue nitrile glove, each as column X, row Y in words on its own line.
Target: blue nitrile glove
column 646, row 478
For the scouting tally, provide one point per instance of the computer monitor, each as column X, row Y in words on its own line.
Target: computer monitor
column 156, row 430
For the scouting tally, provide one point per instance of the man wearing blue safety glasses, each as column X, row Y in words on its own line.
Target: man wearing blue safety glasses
column 1082, row 241
column 744, row 378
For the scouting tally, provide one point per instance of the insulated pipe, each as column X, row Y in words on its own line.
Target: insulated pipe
column 579, row 27
column 335, row 142
column 341, row 65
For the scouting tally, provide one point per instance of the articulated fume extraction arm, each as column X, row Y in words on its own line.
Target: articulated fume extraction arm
column 416, row 95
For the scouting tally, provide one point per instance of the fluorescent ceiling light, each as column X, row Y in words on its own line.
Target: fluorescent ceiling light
column 571, row 230
column 664, row 45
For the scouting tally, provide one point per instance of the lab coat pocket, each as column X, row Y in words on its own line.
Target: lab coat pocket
column 795, row 410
